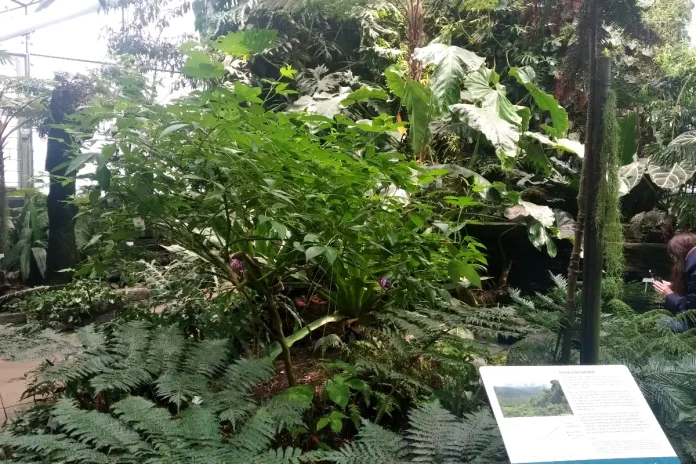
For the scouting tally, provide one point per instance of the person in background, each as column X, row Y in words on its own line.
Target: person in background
column 680, row 293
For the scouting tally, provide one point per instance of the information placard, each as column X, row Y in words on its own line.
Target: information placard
column 574, row 414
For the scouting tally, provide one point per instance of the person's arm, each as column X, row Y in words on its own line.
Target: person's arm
column 677, row 303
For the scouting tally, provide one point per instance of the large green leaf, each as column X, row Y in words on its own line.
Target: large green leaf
column 493, row 99
column 364, row 94
column 500, row 133
column 417, row 100
column 567, row 145
column 247, row 42
column 525, row 210
column 25, row 262
column 546, row 102
column 396, row 80
column 451, row 63
column 40, row 259
column 200, row 66
column 458, row 270
column 338, row 391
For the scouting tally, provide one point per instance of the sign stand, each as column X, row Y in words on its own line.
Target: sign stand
column 574, row 414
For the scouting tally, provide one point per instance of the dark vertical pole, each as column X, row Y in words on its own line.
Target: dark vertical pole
column 592, row 272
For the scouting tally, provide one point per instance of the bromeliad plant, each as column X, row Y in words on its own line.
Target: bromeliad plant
column 276, row 203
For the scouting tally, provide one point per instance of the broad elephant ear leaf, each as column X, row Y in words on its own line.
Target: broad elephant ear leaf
column 670, row 178
column 452, row 64
column 567, row 145
column 559, row 116
column 493, row 99
column 631, row 175
column 540, row 237
column 500, row 133
column 525, row 210
column 323, row 103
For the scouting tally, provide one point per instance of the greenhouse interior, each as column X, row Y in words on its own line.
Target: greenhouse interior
column 348, row 231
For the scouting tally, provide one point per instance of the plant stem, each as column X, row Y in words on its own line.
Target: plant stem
column 278, row 327
column 573, row 272
column 274, row 352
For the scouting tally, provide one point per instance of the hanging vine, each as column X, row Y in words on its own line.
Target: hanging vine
column 608, row 201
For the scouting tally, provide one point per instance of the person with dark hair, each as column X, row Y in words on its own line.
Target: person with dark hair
column 680, row 293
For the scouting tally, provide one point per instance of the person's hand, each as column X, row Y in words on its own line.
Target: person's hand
column 663, row 288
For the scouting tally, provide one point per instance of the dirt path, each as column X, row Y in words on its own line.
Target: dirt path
column 14, row 380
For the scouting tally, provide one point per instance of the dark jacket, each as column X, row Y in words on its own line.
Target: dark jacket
column 678, row 303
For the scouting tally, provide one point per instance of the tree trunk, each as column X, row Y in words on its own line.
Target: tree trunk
column 4, row 238
column 574, row 265
column 594, row 250
column 600, row 78
column 574, row 271
column 62, row 250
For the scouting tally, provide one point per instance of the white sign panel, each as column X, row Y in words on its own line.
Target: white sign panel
column 574, row 414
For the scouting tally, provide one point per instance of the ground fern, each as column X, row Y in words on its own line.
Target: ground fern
column 435, row 435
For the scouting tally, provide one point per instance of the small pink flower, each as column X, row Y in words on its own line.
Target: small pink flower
column 300, row 302
column 316, row 299
column 237, row 266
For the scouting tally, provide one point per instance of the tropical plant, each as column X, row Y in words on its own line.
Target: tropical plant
column 313, row 206
column 29, row 241
column 23, row 104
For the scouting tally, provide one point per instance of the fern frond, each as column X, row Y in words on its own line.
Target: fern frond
column 96, row 429
column 167, row 347
column 201, row 426
column 516, row 296
column 53, row 448
column 207, row 358
column 560, row 281
column 435, row 435
column 257, row 434
column 374, row 445
column 287, row 455
column 179, row 388
column 155, row 423
column 430, row 435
